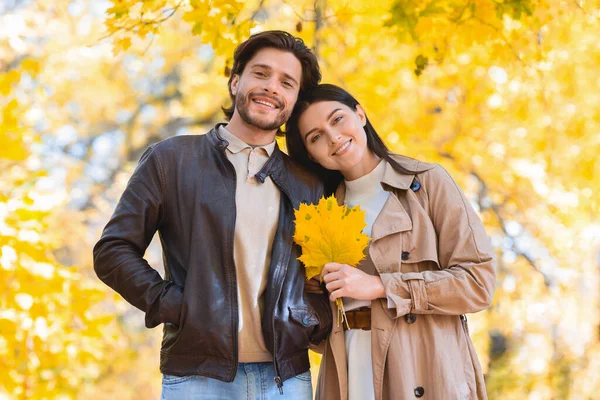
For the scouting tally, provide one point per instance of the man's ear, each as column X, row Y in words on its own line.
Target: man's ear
column 234, row 84
column 361, row 115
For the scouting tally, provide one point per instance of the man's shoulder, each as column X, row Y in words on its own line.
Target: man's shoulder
column 302, row 179
column 180, row 147
column 178, row 142
column 296, row 171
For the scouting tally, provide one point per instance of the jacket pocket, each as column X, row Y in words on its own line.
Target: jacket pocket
column 172, row 332
column 303, row 316
column 305, row 321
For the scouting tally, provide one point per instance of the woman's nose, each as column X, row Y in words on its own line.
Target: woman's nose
column 335, row 137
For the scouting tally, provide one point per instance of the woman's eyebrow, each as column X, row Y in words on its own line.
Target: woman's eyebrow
column 314, row 129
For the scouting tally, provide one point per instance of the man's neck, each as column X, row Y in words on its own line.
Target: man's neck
column 250, row 134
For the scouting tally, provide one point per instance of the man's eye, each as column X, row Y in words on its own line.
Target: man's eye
column 337, row 119
column 287, row 84
column 259, row 74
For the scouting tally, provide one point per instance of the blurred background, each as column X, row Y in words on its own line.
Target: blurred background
column 504, row 93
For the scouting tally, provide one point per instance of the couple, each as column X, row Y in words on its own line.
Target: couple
column 238, row 316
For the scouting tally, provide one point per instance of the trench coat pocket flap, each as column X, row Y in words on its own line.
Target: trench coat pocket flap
column 303, row 316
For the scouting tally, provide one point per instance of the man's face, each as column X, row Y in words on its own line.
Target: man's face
column 267, row 90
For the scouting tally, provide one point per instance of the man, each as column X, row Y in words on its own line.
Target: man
column 237, row 322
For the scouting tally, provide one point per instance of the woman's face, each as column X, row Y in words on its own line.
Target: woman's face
column 334, row 137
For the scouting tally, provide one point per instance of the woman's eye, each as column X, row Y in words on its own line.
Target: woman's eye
column 337, row 119
column 315, row 137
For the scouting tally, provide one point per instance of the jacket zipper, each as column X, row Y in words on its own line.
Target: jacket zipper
column 286, row 260
column 232, row 233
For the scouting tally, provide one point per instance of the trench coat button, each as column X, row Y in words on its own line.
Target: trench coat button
column 404, row 255
column 410, row 318
column 419, row 391
column 415, row 186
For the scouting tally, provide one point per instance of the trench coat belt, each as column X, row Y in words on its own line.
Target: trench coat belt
column 359, row 318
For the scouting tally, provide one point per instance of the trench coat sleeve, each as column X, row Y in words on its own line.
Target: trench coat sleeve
column 118, row 255
column 465, row 281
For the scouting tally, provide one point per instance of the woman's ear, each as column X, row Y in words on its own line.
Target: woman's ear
column 361, row 115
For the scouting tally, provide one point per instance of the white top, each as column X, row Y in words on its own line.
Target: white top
column 257, row 214
column 367, row 193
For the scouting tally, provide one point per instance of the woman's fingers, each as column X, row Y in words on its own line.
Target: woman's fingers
column 331, row 267
column 331, row 286
column 336, row 294
column 331, row 276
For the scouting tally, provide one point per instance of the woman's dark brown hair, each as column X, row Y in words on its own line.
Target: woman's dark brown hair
column 297, row 149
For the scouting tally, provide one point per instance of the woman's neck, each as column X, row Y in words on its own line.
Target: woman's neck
column 368, row 164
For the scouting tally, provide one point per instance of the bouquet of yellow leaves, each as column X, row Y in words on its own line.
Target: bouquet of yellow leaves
column 328, row 232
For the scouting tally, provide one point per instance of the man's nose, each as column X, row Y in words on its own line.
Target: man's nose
column 271, row 85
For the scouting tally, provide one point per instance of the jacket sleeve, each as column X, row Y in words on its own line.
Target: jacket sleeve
column 319, row 302
column 322, row 309
column 465, row 282
column 118, row 255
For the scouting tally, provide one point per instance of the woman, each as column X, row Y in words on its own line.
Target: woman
column 429, row 262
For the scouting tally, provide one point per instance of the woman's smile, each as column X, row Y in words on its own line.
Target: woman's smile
column 343, row 148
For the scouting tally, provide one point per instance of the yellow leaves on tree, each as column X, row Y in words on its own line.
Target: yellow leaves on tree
column 328, row 232
column 54, row 334
column 12, row 146
column 502, row 91
column 221, row 23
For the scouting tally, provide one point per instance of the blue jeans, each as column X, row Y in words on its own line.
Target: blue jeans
column 254, row 381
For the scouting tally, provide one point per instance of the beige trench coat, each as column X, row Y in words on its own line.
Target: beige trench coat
column 436, row 262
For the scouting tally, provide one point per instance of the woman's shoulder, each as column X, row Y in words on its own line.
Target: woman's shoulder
column 429, row 175
column 413, row 165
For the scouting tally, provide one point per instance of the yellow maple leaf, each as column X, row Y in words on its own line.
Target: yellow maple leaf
column 328, row 232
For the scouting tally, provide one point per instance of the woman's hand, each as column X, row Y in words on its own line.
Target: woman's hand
column 345, row 281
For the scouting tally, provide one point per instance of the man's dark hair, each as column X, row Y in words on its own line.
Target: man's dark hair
column 280, row 40
column 297, row 150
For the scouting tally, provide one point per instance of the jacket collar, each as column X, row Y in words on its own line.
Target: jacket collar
column 273, row 166
column 236, row 144
column 403, row 181
column 391, row 177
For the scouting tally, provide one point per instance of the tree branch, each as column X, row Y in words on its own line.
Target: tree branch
column 134, row 153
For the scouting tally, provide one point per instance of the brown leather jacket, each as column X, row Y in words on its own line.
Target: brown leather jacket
column 184, row 188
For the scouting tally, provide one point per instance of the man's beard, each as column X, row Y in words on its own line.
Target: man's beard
column 241, row 105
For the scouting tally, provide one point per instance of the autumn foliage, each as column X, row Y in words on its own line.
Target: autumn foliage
column 504, row 93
